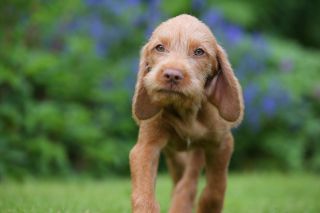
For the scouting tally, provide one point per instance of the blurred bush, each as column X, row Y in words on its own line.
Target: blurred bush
column 294, row 19
column 67, row 73
column 65, row 89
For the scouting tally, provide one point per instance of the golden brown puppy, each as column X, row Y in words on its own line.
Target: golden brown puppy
column 186, row 101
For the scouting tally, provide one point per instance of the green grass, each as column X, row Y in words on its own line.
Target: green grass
column 246, row 193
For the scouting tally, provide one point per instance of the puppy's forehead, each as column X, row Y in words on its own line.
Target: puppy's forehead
column 184, row 27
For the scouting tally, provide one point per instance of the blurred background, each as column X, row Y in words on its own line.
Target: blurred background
column 68, row 69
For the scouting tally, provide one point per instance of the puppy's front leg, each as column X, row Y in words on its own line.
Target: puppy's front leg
column 144, row 159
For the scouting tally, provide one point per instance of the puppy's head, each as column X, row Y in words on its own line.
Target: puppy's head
column 182, row 65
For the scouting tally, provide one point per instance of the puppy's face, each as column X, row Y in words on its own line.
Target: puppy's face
column 182, row 65
column 179, row 58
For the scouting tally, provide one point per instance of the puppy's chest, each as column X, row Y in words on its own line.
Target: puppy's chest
column 194, row 130
column 185, row 134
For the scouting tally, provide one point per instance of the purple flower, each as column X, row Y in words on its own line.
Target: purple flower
column 250, row 63
column 274, row 99
column 269, row 105
column 286, row 65
column 253, row 117
column 153, row 16
column 154, row 5
column 73, row 25
column 134, row 65
column 101, row 48
column 94, row 2
column 115, row 7
column 212, row 18
column 234, row 34
column 96, row 27
column 139, row 20
column 250, row 93
column 198, row 5
column 133, row 2
column 260, row 44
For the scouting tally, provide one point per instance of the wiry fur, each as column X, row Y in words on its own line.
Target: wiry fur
column 189, row 121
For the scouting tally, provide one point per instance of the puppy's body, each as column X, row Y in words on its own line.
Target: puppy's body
column 187, row 99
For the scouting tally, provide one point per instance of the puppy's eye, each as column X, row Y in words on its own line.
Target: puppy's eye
column 160, row 48
column 198, row 52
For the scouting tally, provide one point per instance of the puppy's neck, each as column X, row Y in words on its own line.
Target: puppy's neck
column 185, row 122
column 181, row 113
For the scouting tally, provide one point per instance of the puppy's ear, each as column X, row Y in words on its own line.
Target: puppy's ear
column 224, row 90
column 142, row 107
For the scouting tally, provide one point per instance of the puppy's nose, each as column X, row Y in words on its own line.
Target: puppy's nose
column 173, row 75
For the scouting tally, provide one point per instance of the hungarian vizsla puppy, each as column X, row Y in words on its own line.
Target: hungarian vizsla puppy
column 186, row 101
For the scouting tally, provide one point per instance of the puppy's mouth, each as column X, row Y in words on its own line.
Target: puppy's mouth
column 171, row 92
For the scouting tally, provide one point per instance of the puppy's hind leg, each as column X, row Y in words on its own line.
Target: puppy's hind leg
column 176, row 163
column 217, row 161
column 185, row 190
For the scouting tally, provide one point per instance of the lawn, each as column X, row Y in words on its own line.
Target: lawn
column 246, row 193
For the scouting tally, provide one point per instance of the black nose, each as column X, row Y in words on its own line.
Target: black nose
column 173, row 75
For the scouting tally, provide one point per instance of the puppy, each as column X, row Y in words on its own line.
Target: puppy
column 186, row 101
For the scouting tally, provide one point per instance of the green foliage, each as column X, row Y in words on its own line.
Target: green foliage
column 67, row 73
column 289, row 139
column 293, row 19
column 56, row 115
column 238, row 12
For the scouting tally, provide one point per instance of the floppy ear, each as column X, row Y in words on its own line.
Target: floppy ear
column 224, row 91
column 142, row 107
